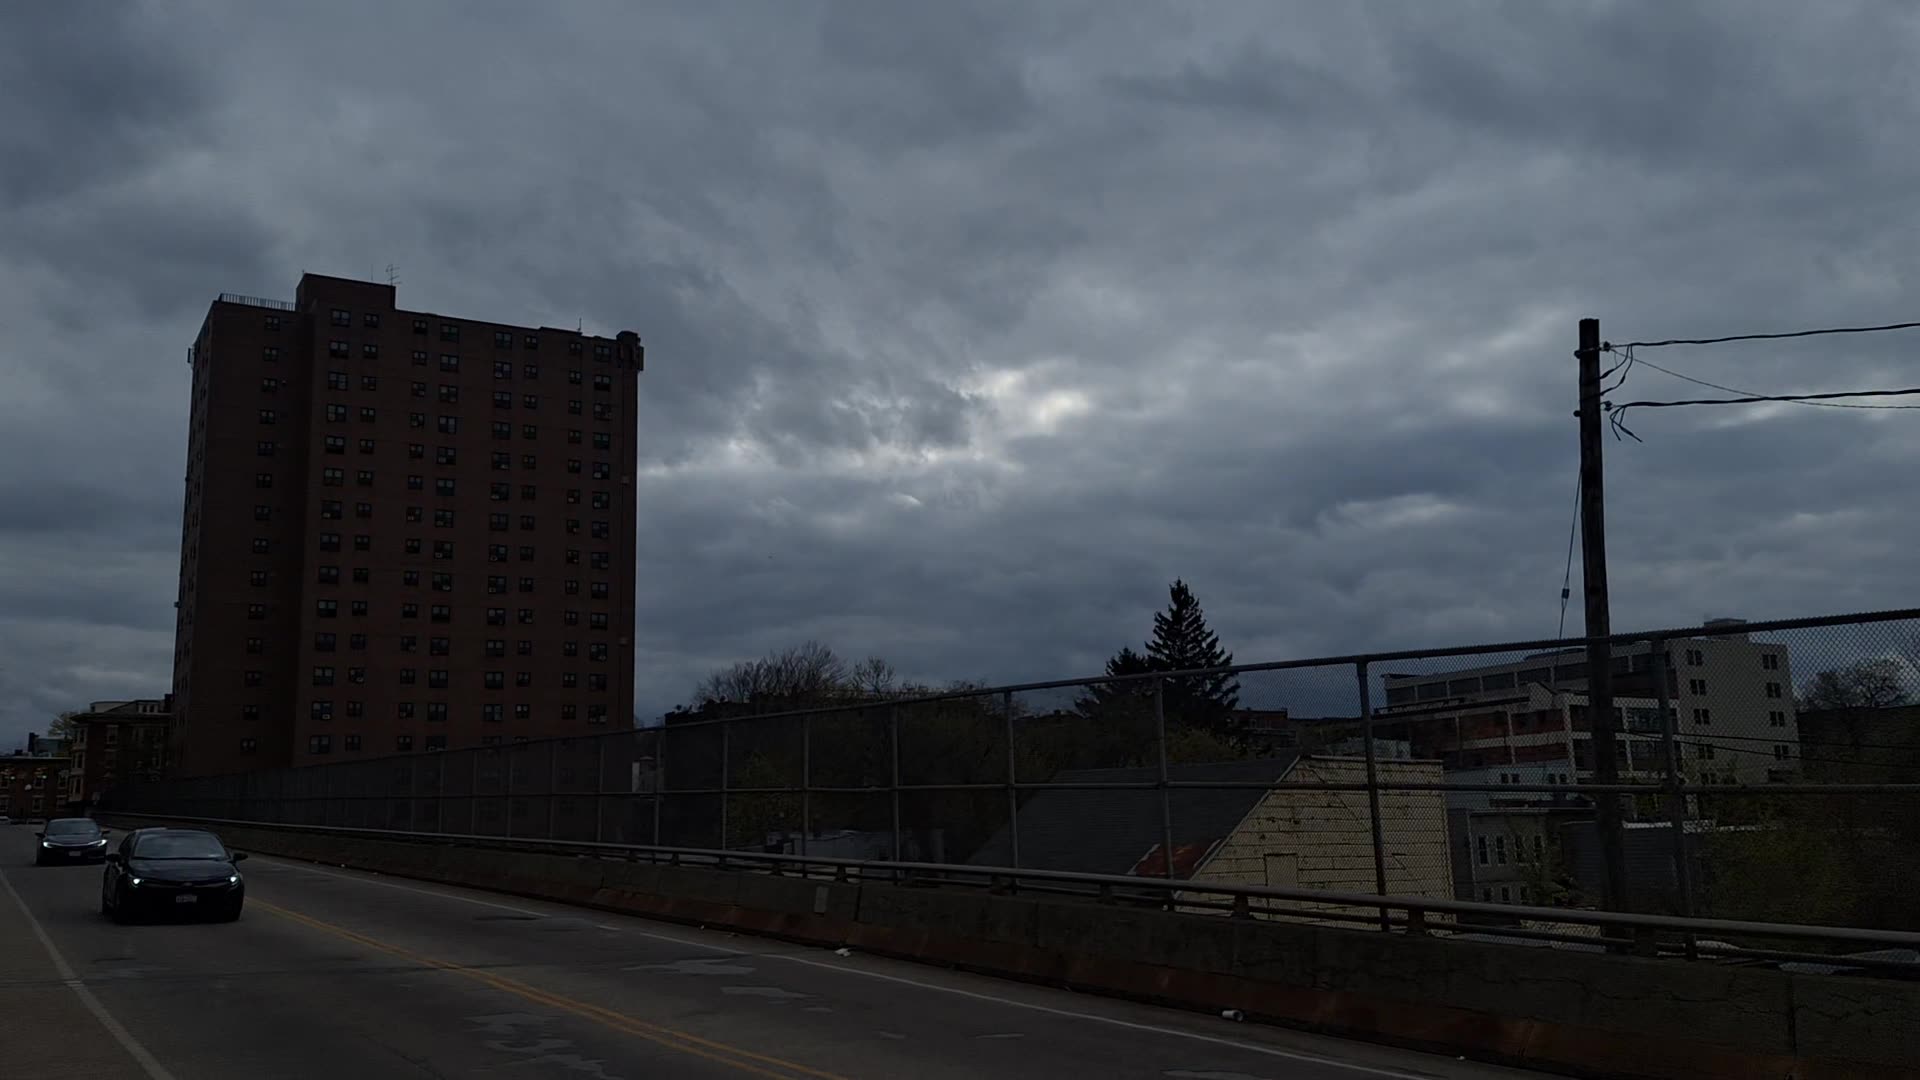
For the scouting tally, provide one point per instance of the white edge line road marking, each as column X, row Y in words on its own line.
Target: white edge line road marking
column 1252, row 1048
column 147, row 1062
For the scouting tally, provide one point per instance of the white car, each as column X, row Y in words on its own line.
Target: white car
column 5, row 820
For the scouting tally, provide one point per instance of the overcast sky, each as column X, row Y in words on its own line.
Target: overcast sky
column 971, row 325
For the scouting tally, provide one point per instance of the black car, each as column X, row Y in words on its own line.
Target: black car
column 184, row 871
column 70, row 840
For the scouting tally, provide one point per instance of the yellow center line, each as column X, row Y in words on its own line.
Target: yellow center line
column 671, row 1038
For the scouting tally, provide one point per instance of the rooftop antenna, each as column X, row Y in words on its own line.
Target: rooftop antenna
column 393, row 275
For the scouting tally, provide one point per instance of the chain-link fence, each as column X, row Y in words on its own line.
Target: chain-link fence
column 1760, row 771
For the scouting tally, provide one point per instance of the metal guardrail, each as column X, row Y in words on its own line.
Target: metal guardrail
column 1638, row 933
column 256, row 301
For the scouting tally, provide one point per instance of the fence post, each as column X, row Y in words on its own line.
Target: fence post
column 1166, row 796
column 1657, row 666
column 806, row 780
column 473, row 792
column 1013, row 778
column 659, row 779
column 893, row 738
column 599, row 788
column 1373, row 788
column 726, row 774
column 506, row 790
column 413, row 794
column 553, row 781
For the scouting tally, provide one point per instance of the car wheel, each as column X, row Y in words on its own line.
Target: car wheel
column 106, row 907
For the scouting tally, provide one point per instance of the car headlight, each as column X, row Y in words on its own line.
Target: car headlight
column 133, row 881
column 233, row 879
column 44, row 844
column 98, row 843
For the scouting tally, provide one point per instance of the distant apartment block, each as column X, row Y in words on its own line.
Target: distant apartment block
column 403, row 532
column 116, row 742
column 1731, row 698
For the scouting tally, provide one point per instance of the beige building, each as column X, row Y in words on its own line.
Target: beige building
column 1289, row 838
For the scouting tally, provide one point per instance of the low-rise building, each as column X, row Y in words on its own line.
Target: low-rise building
column 33, row 787
column 1308, row 838
column 116, row 742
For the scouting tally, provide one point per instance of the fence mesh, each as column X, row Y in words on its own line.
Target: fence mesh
column 1764, row 772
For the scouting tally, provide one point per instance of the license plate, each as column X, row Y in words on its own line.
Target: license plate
column 185, row 898
column 76, row 854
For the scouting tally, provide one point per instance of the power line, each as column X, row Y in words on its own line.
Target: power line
column 1793, row 399
column 1761, row 337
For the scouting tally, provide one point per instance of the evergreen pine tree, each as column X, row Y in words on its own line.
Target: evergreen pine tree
column 1182, row 642
column 1104, row 699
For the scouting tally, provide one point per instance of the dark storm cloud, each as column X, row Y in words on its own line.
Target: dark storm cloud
column 970, row 327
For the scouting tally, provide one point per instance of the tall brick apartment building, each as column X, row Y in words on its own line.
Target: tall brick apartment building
column 403, row 532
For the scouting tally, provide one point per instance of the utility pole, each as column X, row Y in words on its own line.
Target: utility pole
column 1593, row 562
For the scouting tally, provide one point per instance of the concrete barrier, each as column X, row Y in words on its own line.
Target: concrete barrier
column 1583, row 1013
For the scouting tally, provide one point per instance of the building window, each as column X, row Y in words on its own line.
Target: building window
column 409, row 643
column 602, row 471
column 264, row 448
column 570, row 648
column 323, row 642
column 413, row 514
column 527, row 492
column 1702, row 716
column 321, row 710
column 530, row 401
column 1696, row 686
column 269, row 385
column 268, row 416
column 569, row 680
column 357, row 607
column 337, row 380
column 326, row 609
column 526, row 584
column 403, row 743
column 496, row 585
column 420, row 326
column 523, row 647
column 526, row 552
column 597, row 683
column 446, row 455
column 329, row 541
column 357, row 642
column 523, row 678
column 496, row 553
column 334, row 477
column 527, row 523
column 497, row 522
column 493, row 714
column 496, row 616
column 409, row 611
column 602, row 381
column 1773, row 690
column 1703, row 751
column 438, row 742
column 355, row 675
column 449, row 425
column 366, row 446
column 596, row 714
column 411, row 545
column 363, row 478
column 522, row 712
column 362, row 542
column 575, row 407
column 410, row 578
column 443, row 583
column 572, row 587
column 502, row 460
column 602, row 410
column 442, row 519
column 1770, row 661
column 530, row 371
column 342, row 317
column 525, row 616
column 1500, row 850
column 323, row 676
column 529, row 432
column 338, row 350
column 499, row 492
column 570, row 618
column 567, row 711
column 369, row 352
column 503, row 369
column 602, row 441
column 496, row 647
column 418, row 389
column 601, row 530
column 319, row 744
column 252, row 678
column 409, row 676
column 437, row 679
column 449, row 393
column 449, row 362
column 1776, row 718
column 256, row 646
column 263, row 480
column 416, row 419
column 442, row 613
column 363, row 510
column 502, row 430
column 249, row 745
column 336, row 413
column 449, row 332
column 261, row 545
column 1782, row 752
column 496, row 680
column 439, row 647
column 597, row 650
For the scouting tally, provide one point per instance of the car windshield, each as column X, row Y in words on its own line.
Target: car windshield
column 72, row 827
column 179, row 846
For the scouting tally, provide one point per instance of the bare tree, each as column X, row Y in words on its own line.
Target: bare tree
column 787, row 678
column 1869, row 684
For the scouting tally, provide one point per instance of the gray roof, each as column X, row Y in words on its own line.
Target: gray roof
column 1096, row 831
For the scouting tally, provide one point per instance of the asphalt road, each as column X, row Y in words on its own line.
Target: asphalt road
column 333, row 973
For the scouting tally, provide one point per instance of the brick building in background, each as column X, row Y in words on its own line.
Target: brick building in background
column 402, row 532
column 116, row 742
column 33, row 787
